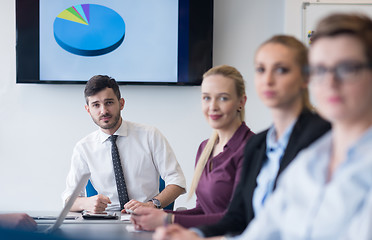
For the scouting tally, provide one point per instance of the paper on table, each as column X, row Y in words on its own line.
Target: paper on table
column 130, row 228
column 125, row 217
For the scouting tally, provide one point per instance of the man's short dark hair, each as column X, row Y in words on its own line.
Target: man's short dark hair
column 98, row 83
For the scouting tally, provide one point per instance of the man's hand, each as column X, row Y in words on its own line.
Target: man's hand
column 145, row 218
column 133, row 204
column 97, row 203
column 94, row 204
column 18, row 221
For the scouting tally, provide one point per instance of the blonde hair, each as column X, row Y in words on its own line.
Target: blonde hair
column 301, row 57
column 231, row 73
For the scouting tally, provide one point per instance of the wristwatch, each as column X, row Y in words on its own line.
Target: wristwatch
column 156, row 203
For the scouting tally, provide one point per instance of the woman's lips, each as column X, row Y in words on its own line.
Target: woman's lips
column 334, row 99
column 269, row 94
column 215, row 117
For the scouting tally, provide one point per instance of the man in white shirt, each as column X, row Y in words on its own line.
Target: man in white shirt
column 143, row 151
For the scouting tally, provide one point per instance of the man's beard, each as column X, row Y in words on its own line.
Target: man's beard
column 112, row 125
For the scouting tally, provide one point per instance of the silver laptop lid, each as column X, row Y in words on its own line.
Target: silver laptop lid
column 79, row 187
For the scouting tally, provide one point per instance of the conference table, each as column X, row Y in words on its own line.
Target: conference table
column 80, row 228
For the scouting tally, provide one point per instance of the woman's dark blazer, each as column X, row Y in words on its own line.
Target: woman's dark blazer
column 307, row 129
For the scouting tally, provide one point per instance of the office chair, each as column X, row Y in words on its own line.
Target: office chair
column 91, row 191
column 161, row 187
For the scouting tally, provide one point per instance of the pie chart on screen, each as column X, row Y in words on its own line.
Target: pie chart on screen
column 89, row 30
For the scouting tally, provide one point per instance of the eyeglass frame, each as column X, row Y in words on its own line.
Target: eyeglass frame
column 357, row 68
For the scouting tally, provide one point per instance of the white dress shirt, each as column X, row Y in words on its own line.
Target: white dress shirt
column 266, row 178
column 362, row 225
column 306, row 206
column 144, row 154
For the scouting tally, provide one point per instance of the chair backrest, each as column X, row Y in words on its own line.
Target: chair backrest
column 91, row 191
column 161, row 187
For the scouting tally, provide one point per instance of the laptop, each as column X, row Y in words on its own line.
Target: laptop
column 46, row 228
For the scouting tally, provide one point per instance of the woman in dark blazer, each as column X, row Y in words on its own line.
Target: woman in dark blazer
column 281, row 83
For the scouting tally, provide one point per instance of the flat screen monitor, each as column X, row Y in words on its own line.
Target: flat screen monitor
column 151, row 42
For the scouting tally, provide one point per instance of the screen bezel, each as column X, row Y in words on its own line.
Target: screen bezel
column 195, row 37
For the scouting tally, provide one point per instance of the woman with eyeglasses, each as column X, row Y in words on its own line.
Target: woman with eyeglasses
column 281, row 82
column 327, row 191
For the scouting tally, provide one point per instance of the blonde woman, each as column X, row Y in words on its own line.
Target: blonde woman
column 219, row 159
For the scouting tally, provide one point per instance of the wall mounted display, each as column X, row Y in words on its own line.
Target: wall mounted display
column 157, row 42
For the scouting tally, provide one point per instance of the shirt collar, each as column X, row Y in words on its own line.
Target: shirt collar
column 122, row 131
column 237, row 138
column 360, row 145
column 272, row 143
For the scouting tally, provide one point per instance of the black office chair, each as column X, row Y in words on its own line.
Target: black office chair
column 91, row 191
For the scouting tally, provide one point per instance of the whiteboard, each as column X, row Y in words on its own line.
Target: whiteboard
column 312, row 12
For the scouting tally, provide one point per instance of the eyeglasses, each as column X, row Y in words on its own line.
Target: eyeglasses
column 343, row 72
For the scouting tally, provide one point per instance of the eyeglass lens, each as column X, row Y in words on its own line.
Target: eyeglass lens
column 344, row 71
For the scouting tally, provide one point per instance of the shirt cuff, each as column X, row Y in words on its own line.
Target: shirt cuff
column 198, row 232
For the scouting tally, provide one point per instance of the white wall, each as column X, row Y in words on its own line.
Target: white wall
column 41, row 123
column 293, row 14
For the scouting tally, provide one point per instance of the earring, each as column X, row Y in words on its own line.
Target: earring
column 239, row 109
